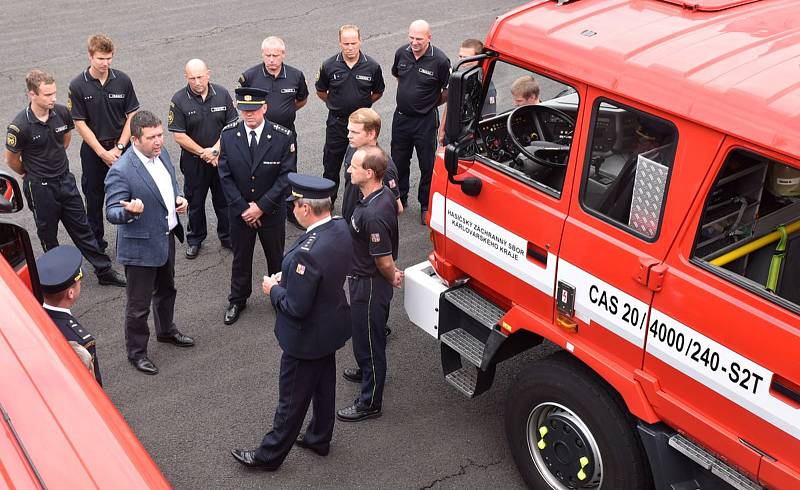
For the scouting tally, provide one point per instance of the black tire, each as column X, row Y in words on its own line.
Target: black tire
column 583, row 417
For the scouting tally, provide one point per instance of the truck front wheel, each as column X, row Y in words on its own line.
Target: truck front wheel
column 568, row 430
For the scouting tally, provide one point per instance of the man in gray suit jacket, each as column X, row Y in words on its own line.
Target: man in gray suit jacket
column 142, row 197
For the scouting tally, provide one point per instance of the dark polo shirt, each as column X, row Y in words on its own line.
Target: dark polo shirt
column 201, row 120
column 420, row 81
column 289, row 86
column 41, row 143
column 105, row 108
column 349, row 88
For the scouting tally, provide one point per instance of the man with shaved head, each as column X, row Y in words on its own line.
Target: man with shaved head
column 422, row 73
column 287, row 90
column 197, row 114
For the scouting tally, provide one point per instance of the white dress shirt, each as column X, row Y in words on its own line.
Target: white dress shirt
column 258, row 131
column 318, row 223
column 155, row 167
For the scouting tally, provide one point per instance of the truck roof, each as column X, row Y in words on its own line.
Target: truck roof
column 733, row 65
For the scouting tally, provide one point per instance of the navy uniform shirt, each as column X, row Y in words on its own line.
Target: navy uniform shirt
column 420, row 81
column 41, row 143
column 351, row 192
column 105, row 108
column 289, row 86
column 201, row 120
column 73, row 331
column 349, row 88
column 374, row 229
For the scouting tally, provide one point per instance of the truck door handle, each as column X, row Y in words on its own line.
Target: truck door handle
column 537, row 254
column 786, row 390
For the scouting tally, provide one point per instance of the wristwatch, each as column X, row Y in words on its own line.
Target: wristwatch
column 120, row 147
column 215, row 152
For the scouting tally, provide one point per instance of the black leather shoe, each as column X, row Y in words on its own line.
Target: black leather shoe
column 232, row 313
column 111, row 277
column 352, row 374
column 192, row 251
column 301, row 442
column 248, row 458
column 422, row 213
column 226, row 244
column 178, row 339
column 387, row 331
column 144, row 365
column 354, row 413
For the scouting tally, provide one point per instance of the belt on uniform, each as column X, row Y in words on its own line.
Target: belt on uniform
column 36, row 178
column 408, row 114
column 339, row 115
column 357, row 277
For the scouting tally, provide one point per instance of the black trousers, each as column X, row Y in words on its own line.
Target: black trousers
column 57, row 199
column 198, row 178
column 302, row 381
column 93, row 178
column 411, row 133
column 243, row 239
column 336, row 143
column 148, row 285
column 369, row 310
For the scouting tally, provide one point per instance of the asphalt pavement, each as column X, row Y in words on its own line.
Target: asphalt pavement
column 222, row 393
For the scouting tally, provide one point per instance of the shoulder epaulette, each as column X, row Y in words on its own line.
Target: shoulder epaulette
column 230, row 126
column 309, row 242
column 278, row 127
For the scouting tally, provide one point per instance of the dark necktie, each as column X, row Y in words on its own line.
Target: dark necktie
column 253, row 145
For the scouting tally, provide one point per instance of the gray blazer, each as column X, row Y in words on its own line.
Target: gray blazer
column 141, row 240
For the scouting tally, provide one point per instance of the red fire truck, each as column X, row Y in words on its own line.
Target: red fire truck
column 58, row 428
column 643, row 217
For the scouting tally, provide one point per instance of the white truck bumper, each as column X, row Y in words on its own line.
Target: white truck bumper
column 423, row 289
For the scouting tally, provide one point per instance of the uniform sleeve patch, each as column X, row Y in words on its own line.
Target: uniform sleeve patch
column 392, row 184
column 11, row 140
column 170, row 117
column 375, row 237
column 301, row 269
column 69, row 103
column 12, row 127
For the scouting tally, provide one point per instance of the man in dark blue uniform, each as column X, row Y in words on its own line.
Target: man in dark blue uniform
column 287, row 90
column 60, row 280
column 36, row 145
column 372, row 276
column 197, row 114
column 256, row 156
column 312, row 323
column 102, row 102
column 423, row 73
column 346, row 81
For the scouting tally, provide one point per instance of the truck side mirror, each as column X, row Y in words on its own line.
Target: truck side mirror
column 463, row 102
column 10, row 194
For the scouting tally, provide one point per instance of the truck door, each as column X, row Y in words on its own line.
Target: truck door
column 629, row 202
column 508, row 235
column 724, row 331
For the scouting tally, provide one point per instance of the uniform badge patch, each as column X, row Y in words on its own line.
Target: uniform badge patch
column 170, row 117
column 375, row 237
column 392, row 184
column 320, row 70
column 12, row 127
column 11, row 140
column 301, row 269
column 291, row 148
column 69, row 103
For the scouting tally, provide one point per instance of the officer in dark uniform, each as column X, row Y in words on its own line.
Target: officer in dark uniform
column 256, row 156
column 285, row 85
column 312, row 323
column 197, row 114
column 373, row 274
column 346, row 81
column 423, row 73
column 60, row 280
column 36, row 148
column 102, row 102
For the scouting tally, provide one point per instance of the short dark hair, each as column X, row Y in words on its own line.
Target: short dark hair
column 375, row 159
column 143, row 119
column 37, row 77
column 473, row 44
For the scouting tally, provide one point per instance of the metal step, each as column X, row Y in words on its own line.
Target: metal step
column 464, row 379
column 712, row 463
column 465, row 344
column 475, row 305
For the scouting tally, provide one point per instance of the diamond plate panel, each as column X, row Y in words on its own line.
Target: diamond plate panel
column 648, row 194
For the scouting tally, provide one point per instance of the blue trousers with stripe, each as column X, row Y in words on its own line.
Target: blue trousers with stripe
column 369, row 310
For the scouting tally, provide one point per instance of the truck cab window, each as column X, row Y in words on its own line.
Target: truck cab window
column 527, row 125
column 628, row 167
column 750, row 228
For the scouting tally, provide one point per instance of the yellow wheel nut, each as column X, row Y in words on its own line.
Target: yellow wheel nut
column 542, row 432
column 584, row 462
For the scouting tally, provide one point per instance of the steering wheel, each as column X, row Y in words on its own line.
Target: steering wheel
column 541, row 152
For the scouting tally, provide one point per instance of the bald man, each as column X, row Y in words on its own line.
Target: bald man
column 422, row 73
column 197, row 114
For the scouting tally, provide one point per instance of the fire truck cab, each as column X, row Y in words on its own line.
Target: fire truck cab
column 642, row 215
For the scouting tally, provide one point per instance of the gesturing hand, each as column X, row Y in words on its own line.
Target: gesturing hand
column 134, row 206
